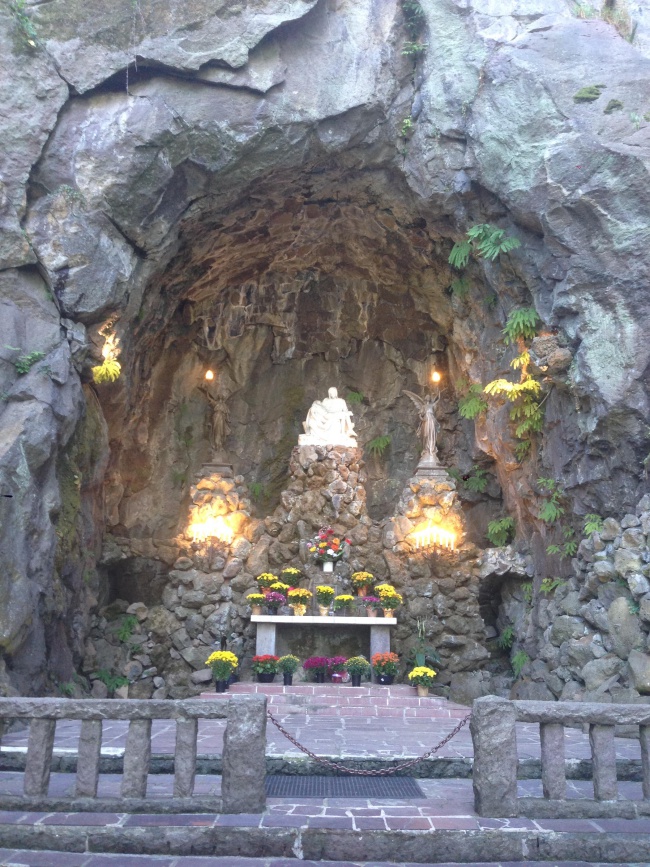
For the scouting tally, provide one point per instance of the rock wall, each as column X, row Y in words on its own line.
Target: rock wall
column 300, row 145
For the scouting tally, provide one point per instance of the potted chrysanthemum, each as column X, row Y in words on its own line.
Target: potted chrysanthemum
column 361, row 581
column 389, row 597
column 223, row 663
column 357, row 667
column 316, row 666
column 372, row 604
column 422, row 677
column 265, row 667
column 288, row 665
column 265, row 580
column 291, row 575
column 335, row 668
column 256, row 600
column 324, row 596
column 385, row 667
column 298, row 598
column 275, row 600
column 343, row 604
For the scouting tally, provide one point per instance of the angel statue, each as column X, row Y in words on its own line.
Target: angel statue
column 428, row 428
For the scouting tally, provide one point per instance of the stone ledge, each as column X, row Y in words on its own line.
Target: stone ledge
column 309, row 620
column 248, row 839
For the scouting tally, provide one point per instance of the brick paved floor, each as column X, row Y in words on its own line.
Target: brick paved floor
column 339, row 721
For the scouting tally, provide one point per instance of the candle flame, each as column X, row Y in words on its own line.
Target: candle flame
column 435, row 376
column 433, row 535
column 209, row 375
column 211, row 528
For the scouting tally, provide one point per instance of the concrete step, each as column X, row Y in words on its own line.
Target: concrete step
column 34, row 858
column 247, row 836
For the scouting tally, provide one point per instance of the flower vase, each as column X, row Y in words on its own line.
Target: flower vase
column 371, row 612
column 385, row 679
column 328, row 566
column 362, row 591
column 323, row 610
column 423, row 691
column 320, row 677
column 299, row 610
column 256, row 609
column 356, row 679
column 287, row 678
column 221, row 686
column 388, row 612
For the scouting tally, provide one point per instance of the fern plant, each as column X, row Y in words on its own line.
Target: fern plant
column 354, row 397
column 476, row 481
column 107, row 371
column 521, row 325
column 519, row 661
column 378, row 446
column 593, row 524
column 506, row 638
column 549, row 585
column 460, row 287
column 500, row 532
column 26, row 361
column 472, row 403
column 486, row 241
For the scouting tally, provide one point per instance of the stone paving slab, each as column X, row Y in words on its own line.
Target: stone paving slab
column 29, row 858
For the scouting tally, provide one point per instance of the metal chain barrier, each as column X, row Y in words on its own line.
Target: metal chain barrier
column 383, row 772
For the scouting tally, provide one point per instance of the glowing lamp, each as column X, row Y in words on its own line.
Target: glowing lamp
column 433, row 535
column 209, row 375
column 435, row 377
column 211, row 528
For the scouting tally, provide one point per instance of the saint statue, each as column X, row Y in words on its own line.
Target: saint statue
column 329, row 422
column 219, row 427
column 428, row 428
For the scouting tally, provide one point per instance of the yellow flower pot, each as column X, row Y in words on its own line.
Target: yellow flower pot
column 323, row 610
column 388, row 612
column 299, row 610
column 256, row 609
column 423, row 691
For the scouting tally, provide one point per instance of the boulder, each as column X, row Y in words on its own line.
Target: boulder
column 640, row 669
column 595, row 673
column 566, row 627
column 624, row 628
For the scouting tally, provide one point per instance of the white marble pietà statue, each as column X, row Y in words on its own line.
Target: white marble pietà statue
column 329, row 423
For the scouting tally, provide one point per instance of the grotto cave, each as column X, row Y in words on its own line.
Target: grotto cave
column 275, row 198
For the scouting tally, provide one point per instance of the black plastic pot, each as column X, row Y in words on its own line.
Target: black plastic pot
column 287, row 678
column 265, row 677
column 320, row 677
column 221, row 686
column 356, row 679
column 385, row 679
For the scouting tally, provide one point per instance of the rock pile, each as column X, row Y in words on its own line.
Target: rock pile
column 595, row 627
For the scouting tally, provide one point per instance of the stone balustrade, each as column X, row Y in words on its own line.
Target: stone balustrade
column 243, row 760
column 495, row 757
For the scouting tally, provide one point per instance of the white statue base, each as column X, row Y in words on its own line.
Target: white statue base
column 311, row 440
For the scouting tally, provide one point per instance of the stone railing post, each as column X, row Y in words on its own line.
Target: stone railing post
column 495, row 757
column 243, row 787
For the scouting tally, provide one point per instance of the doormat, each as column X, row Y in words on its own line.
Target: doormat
column 286, row 786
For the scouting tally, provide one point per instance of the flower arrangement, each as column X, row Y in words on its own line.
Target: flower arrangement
column 265, row 664
column 370, row 601
column 222, row 663
column 299, row 596
column 288, row 664
column 343, row 602
column 316, row 664
column 280, row 587
column 358, row 665
column 256, row 599
column 361, row 579
column 385, row 663
column 336, row 664
column 422, row 675
column 388, row 596
column 291, row 574
column 324, row 594
column 266, row 579
column 327, row 546
column 275, row 600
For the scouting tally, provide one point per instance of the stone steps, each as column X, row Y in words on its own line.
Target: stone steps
column 398, row 700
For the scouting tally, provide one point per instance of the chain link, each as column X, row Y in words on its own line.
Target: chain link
column 382, row 772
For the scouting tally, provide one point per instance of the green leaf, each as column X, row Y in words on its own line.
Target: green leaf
column 592, row 524
column 500, row 532
column 550, row 512
column 521, row 324
column 354, row 397
column 552, row 549
column 459, row 255
column 460, row 287
column 472, row 404
column 378, row 446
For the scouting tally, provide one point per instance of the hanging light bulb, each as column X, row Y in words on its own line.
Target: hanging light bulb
column 209, row 375
column 435, row 377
